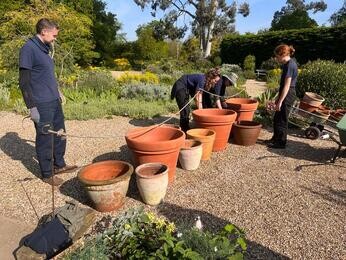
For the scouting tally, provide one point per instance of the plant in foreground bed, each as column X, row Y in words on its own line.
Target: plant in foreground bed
column 137, row 234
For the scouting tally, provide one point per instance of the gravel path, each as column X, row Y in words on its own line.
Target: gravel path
column 255, row 88
column 290, row 203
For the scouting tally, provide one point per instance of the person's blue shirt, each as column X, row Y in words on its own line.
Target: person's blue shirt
column 194, row 82
column 34, row 56
column 289, row 70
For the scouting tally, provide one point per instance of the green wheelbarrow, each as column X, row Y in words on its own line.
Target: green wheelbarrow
column 341, row 126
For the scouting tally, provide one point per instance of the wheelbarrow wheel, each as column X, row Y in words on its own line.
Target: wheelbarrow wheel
column 312, row 132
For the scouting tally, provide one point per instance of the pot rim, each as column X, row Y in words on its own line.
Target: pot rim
column 152, row 164
column 89, row 182
column 213, row 133
column 253, row 126
column 314, row 96
column 197, row 146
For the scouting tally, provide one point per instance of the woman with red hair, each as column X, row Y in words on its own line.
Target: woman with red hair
column 287, row 94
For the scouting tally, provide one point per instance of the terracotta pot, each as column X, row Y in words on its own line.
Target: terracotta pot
column 245, row 107
column 172, row 125
column 152, row 182
column 325, row 109
column 246, row 132
column 206, row 137
column 307, row 107
column 106, row 183
column 313, row 99
column 219, row 120
column 190, row 155
column 160, row 144
column 337, row 114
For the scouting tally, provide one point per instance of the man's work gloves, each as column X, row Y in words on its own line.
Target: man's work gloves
column 34, row 114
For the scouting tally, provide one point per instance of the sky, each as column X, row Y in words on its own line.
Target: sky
column 261, row 14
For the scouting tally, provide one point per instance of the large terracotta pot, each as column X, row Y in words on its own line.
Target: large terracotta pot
column 219, row 120
column 190, row 155
column 322, row 116
column 106, row 183
column 206, row 137
column 313, row 99
column 152, row 182
column 160, row 144
column 245, row 107
column 246, row 132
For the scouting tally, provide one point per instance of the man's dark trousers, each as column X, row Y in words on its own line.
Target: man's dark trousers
column 50, row 114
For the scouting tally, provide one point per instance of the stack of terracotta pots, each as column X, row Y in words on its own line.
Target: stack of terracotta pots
column 312, row 103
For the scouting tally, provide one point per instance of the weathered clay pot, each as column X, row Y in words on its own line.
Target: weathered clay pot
column 313, row 99
column 246, row 132
column 337, row 114
column 160, row 144
column 206, row 137
column 152, row 182
column 219, row 120
column 190, row 155
column 245, row 107
column 106, row 183
column 172, row 125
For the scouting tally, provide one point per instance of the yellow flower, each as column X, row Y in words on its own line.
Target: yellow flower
column 127, row 226
column 151, row 216
column 171, row 227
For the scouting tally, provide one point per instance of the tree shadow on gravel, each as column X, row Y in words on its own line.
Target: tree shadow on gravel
column 153, row 121
column 330, row 194
column 186, row 218
column 20, row 150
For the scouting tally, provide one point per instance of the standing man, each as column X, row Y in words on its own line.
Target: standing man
column 41, row 95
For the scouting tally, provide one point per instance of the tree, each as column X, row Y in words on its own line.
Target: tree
column 209, row 18
column 295, row 15
column 74, row 44
column 339, row 17
column 147, row 46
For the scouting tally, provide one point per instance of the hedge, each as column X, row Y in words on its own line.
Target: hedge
column 310, row 44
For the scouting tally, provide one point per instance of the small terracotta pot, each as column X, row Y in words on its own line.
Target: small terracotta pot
column 206, row 137
column 106, row 183
column 245, row 107
column 152, row 182
column 160, row 144
column 313, row 99
column 337, row 114
column 190, row 155
column 219, row 120
column 246, row 132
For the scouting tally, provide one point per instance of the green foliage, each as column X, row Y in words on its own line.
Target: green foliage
column 270, row 64
column 325, row 78
column 148, row 48
column 294, row 15
column 136, row 234
column 310, row 44
column 249, row 63
column 4, row 97
column 145, row 92
column 265, row 97
column 75, row 39
column 228, row 68
column 229, row 242
column 296, row 20
column 339, row 17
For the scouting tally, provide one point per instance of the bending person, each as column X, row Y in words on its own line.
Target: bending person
column 188, row 86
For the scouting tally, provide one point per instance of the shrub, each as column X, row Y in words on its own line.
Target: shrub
column 270, row 64
column 310, row 44
column 325, row 78
column 249, row 63
column 4, row 97
column 228, row 68
column 136, row 234
column 145, row 92
column 147, row 78
column 122, row 64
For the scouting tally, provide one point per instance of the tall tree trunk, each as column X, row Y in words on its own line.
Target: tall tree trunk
column 208, row 31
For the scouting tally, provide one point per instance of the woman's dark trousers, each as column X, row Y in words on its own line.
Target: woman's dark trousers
column 280, row 124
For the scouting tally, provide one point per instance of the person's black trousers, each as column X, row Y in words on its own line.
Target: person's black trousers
column 280, row 123
column 51, row 114
column 182, row 96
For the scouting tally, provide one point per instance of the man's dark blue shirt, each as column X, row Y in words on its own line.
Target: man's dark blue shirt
column 34, row 56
